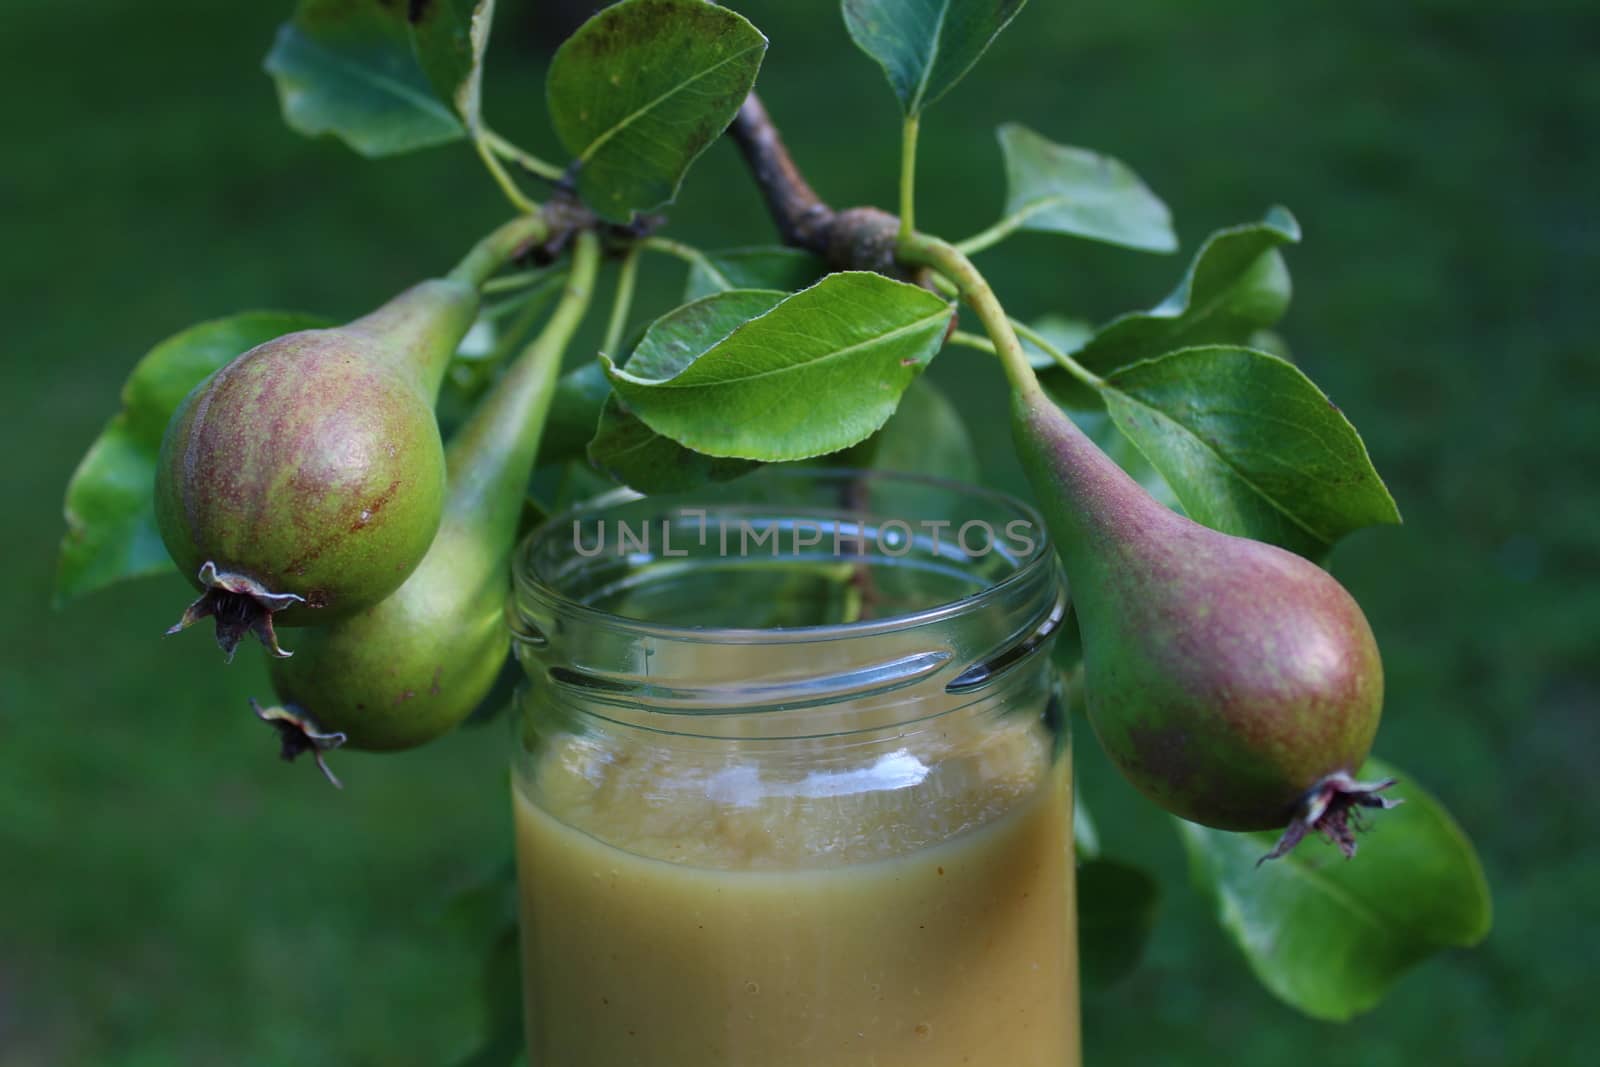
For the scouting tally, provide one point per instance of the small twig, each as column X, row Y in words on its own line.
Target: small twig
column 803, row 220
column 858, row 238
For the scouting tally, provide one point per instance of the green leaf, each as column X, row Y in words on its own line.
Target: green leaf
column 764, row 267
column 1117, row 907
column 926, row 46
column 1329, row 935
column 450, row 47
column 110, row 511
column 348, row 68
column 1060, row 189
column 631, row 451
column 646, row 462
column 1251, row 446
column 927, row 436
column 1237, row 284
column 640, row 90
column 819, row 372
column 685, row 334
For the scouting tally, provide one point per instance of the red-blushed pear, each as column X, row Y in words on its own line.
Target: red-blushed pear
column 1234, row 683
column 304, row 481
column 411, row 667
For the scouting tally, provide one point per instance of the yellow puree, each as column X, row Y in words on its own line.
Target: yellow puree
column 820, row 920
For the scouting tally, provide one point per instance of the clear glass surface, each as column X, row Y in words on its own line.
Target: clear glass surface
column 791, row 780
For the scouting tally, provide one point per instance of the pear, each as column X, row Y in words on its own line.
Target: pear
column 303, row 481
column 1234, row 683
column 405, row 670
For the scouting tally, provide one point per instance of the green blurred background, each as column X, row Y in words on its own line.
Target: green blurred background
column 170, row 893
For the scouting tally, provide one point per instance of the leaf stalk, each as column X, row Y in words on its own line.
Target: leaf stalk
column 908, row 176
column 622, row 302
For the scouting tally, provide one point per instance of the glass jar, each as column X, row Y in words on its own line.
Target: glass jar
column 792, row 783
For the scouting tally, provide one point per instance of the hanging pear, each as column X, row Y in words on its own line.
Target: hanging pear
column 405, row 670
column 304, row 480
column 1236, row 684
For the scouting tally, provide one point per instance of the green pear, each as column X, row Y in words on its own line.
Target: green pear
column 409, row 668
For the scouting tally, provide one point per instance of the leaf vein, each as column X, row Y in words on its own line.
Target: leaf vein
column 627, row 120
column 1237, row 471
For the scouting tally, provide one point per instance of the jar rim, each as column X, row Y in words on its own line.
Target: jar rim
column 1032, row 567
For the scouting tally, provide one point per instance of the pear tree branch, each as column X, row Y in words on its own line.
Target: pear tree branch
column 857, row 238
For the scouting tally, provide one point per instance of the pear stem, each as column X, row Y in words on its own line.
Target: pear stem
column 521, row 279
column 919, row 249
column 922, row 250
column 499, row 248
column 1066, row 362
column 536, row 295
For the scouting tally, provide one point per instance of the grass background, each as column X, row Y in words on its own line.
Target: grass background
column 169, row 893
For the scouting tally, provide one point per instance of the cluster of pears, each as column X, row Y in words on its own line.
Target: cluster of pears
column 305, row 484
